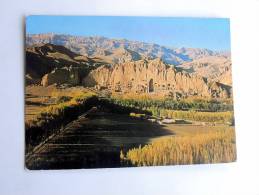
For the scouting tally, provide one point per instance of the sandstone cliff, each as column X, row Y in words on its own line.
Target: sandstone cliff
column 61, row 76
column 226, row 76
column 151, row 76
column 219, row 90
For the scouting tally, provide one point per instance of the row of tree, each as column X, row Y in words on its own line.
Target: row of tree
column 196, row 105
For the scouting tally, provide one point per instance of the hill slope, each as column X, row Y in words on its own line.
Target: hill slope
column 94, row 46
column 44, row 58
column 215, row 68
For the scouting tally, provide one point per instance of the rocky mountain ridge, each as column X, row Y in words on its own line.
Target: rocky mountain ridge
column 48, row 64
column 93, row 46
column 215, row 68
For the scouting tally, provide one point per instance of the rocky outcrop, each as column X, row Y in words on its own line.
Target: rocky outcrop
column 44, row 58
column 215, row 68
column 226, row 76
column 61, row 76
column 219, row 90
column 150, row 76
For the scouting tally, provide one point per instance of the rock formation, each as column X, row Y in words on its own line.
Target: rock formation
column 151, row 76
column 128, row 67
column 219, row 90
column 61, row 76
column 226, row 76
column 215, row 68
column 44, row 58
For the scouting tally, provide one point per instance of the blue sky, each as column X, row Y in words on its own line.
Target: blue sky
column 210, row 33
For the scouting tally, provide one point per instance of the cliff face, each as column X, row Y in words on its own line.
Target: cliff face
column 151, row 76
column 215, row 68
column 60, row 76
column 226, row 76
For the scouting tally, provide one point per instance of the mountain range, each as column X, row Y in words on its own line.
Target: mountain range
column 95, row 46
column 115, row 63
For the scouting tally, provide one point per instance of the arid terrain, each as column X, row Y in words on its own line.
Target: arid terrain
column 95, row 102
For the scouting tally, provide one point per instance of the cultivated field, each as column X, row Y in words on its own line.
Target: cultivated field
column 74, row 128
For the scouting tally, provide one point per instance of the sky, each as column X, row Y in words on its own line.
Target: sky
column 210, row 33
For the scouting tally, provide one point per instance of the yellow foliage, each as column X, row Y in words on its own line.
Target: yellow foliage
column 137, row 115
column 221, row 117
column 57, row 110
column 135, row 96
column 213, row 147
column 73, row 92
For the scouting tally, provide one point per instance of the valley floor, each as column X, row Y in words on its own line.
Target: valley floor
column 96, row 141
column 103, row 139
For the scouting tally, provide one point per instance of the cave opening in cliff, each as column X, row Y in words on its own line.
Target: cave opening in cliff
column 151, row 86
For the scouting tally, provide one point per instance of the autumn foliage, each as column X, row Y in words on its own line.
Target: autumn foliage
column 212, row 147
